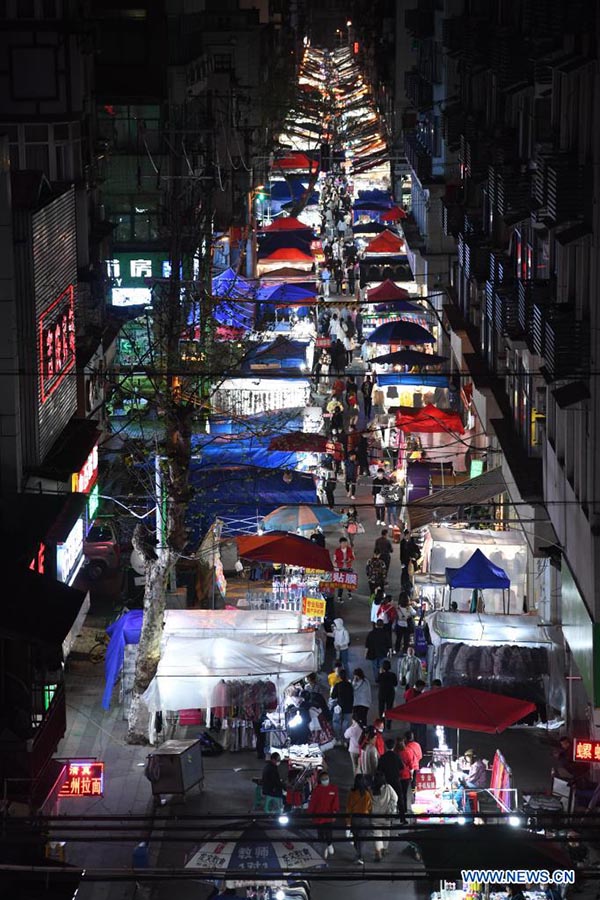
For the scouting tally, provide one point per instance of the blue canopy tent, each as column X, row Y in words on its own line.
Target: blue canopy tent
column 476, row 574
column 386, row 379
column 242, row 495
column 268, row 423
column 229, row 312
column 272, row 297
column 376, row 194
column 126, row 630
column 281, row 353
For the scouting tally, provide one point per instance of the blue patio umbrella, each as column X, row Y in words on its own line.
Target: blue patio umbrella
column 251, row 851
column 410, row 358
column 400, row 332
column 304, row 518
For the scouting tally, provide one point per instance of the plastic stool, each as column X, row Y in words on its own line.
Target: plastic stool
column 273, row 804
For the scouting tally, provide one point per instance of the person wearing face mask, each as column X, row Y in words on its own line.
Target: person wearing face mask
column 361, row 696
column 324, row 803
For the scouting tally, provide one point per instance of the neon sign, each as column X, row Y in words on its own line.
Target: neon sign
column 82, row 481
column 38, row 563
column 93, row 504
column 56, row 342
column 586, row 751
column 83, row 779
column 69, row 553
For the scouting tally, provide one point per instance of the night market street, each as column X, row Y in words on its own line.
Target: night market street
column 299, row 450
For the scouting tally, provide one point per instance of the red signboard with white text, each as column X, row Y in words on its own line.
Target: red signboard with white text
column 56, row 336
column 83, row 779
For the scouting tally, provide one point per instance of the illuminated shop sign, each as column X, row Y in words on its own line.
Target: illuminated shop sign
column 38, row 563
column 82, row 481
column 56, row 330
column 84, row 779
column 93, row 504
column 586, row 751
column 70, row 553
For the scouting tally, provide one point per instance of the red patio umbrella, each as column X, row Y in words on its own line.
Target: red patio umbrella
column 301, row 442
column 385, row 292
column 282, row 547
column 430, row 419
column 464, row 707
column 394, row 214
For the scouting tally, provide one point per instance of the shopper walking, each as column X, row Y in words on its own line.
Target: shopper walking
column 405, row 761
column 362, row 697
column 379, row 482
column 325, row 277
column 367, row 392
column 391, row 766
column 342, row 560
column 416, row 752
column 368, row 757
column 351, row 470
column 352, row 524
column 342, row 702
column 405, row 624
column 384, row 547
column 387, row 683
column 341, row 641
column 376, row 572
column 323, row 805
column 358, row 808
column 410, row 669
column 385, row 804
column 353, row 735
column 378, row 643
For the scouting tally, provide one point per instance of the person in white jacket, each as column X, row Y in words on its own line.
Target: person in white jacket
column 353, row 736
column 341, row 641
column 385, row 805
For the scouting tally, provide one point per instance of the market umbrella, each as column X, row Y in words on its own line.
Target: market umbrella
column 301, row 442
column 410, row 358
column 463, row 707
column 254, row 851
column 448, row 849
column 394, row 214
column 292, row 518
column 386, row 291
column 282, row 547
column 401, row 332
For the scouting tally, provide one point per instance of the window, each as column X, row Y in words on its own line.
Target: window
column 222, row 62
column 140, row 268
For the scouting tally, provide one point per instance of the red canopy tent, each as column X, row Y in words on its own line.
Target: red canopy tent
column 287, row 223
column 282, row 547
column 430, row 419
column 288, row 254
column 464, row 707
column 295, row 162
column 385, row 292
column 387, row 243
column 394, row 214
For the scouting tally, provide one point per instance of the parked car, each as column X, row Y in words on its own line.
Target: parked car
column 101, row 549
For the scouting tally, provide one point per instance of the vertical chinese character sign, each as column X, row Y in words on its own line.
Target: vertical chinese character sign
column 56, row 330
column 83, row 779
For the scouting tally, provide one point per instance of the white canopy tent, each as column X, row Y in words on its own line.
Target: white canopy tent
column 453, row 547
column 201, row 623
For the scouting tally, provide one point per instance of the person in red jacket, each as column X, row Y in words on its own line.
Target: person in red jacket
column 342, row 560
column 406, row 759
column 323, row 804
column 379, row 726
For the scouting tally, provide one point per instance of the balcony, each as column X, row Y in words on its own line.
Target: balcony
column 418, row 158
column 473, row 256
column 418, row 90
column 530, row 294
column 509, row 190
column 452, row 216
column 562, row 341
column 502, row 308
column 559, row 187
column 474, row 154
column 453, row 124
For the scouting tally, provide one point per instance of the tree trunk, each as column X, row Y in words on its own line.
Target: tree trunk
column 148, row 655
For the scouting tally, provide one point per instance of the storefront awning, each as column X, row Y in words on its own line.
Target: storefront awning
column 38, row 609
column 444, row 504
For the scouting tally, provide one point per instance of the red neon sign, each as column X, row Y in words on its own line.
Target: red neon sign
column 83, row 481
column 586, row 751
column 56, row 342
column 38, row 563
column 83, row 779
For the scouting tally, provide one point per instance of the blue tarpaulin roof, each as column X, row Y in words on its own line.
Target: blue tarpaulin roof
column 282, row 190
column 126, row 630
column 388, row 378
column 240, row 451
column 242, row 492
column 376, row 194
column 478, row 572
column 274, row 422
column 289, row 354
column 232, row 287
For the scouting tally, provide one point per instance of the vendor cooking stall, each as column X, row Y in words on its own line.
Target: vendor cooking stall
column 442, row 788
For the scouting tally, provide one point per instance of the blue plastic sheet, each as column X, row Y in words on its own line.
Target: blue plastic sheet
column 388, row 378
column 126, row 630
column 242, row 451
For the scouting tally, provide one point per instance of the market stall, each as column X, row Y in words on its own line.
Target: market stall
column 452, row 547
column 479, row 574
column 517, row 655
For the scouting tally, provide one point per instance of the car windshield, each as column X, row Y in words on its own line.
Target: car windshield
column 99, row 533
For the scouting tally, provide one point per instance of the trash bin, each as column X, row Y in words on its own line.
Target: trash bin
column 175, row 767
